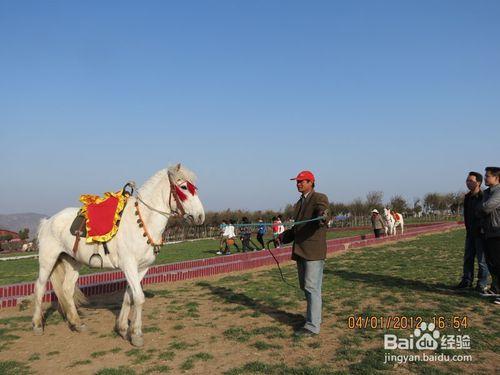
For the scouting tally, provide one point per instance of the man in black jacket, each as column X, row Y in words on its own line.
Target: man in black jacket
column 474, row 244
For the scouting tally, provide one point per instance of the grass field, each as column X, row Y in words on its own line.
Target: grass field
column 22, row 270
column 242, row 323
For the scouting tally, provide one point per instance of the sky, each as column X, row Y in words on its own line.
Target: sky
column 395, row 96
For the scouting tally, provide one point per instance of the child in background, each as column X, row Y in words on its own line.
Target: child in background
column 276, row 228
column 223, row 237
column 260, row 234
column 246, row 235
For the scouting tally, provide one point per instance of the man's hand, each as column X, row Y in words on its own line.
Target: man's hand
column 287, row 236
column 324, row 220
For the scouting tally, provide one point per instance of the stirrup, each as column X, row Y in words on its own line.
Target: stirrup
column 98, row 259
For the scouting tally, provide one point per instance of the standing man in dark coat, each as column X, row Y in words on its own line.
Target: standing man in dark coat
column 474, row 243
column 309, row 247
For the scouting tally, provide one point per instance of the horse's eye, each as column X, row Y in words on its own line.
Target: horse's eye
column 184, row 187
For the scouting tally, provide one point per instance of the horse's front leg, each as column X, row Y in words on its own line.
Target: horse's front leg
column 134, row 277
column 121, row 326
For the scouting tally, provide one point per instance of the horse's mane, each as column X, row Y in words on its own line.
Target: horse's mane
column 178, row 172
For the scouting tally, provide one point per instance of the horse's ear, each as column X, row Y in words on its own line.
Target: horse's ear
column 178, row 167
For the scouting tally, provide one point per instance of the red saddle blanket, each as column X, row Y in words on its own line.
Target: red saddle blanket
column 396, row 216
column 102, row 215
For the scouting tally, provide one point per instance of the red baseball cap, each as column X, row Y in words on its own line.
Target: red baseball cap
column 304, row 175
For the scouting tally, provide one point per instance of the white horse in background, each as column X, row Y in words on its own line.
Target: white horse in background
column 130, row 249
column 393, row 219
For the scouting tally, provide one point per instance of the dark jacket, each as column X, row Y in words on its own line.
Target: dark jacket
column 472, row 203
column 246, row 231
column 309, row 239
column 490, row 209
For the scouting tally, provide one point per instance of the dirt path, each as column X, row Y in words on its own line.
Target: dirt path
column 179, row 323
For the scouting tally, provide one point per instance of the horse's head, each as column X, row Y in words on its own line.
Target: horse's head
column 387, row 213
column 184, row 192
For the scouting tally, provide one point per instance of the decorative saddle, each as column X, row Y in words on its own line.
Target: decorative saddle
column 99, row 217
column 395, row 215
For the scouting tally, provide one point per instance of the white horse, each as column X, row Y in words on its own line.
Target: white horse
column 130, row 250
column 393, row 220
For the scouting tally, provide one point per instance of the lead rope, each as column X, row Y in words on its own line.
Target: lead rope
column 268, row 248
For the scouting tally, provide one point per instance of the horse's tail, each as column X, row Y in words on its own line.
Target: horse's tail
column 64, row 262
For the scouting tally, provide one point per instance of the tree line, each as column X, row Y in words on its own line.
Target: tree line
column 431, row 203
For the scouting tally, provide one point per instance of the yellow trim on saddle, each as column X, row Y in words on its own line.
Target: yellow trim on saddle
column 87, row 199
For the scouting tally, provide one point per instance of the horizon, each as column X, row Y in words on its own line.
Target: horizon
column 385, row 203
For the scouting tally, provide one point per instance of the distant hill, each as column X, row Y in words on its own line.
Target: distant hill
column 16, row 222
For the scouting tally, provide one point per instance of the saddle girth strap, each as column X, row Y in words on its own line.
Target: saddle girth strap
column 105, row 246
column 77, row 237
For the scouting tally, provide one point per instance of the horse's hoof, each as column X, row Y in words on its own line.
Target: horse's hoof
column 122, row 333
column 38, row 331
column 136, row 340
column 79, row 328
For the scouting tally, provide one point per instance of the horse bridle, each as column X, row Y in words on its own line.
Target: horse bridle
column 179, row 211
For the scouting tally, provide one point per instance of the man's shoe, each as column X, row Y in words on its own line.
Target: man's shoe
column 488, row 292
column 463, row 285
column 481, row 289
column 219, row 253
column 304, row 332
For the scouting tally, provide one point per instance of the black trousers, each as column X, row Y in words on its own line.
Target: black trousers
column 492, row 252
column 245, row 241
column 260, row 238
column 378, row 232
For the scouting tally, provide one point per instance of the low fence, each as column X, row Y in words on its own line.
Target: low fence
column 188, row 232
column 113, row 281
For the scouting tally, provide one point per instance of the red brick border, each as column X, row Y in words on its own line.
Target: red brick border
column 109, row 282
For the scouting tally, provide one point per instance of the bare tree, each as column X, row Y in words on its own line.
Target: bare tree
column 398, row 203
column 374, row 200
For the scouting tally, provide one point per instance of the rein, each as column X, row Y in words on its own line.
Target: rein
column 150, row 241
column 268, row 247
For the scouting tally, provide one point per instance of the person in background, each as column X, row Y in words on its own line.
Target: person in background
column 246, row 235
column 281, row 227
column 378, row 223
column 261, row 231
column 231, row 237
column 276, row 227
column 223, row 237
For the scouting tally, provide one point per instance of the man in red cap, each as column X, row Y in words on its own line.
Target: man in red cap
column 309, row 247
